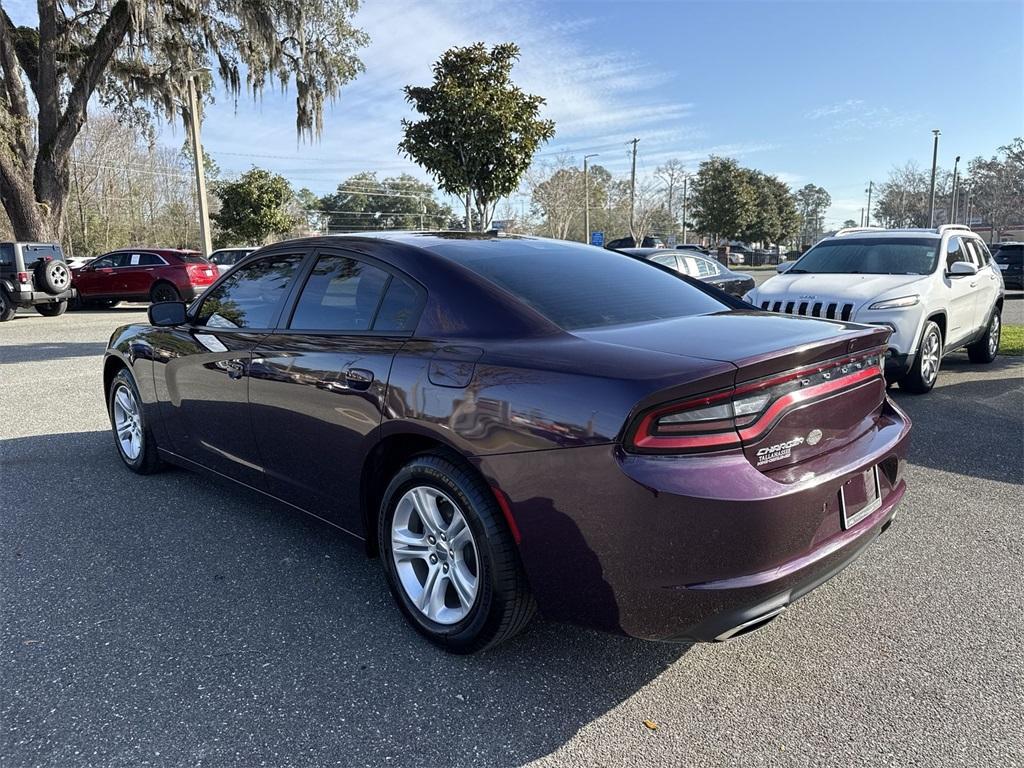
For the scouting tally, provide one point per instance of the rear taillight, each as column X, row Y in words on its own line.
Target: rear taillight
column 24, row 278
column 200, row 273
column 726, row 419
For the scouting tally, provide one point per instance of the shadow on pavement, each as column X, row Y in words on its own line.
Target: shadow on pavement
column 971, row 427
column 57, row 350
column 196, row 620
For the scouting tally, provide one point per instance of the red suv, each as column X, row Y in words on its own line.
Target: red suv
column 151, row 274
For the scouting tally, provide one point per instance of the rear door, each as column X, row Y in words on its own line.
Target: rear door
column 317, row 385
column 202, row 371
column 137, row 273
column 989, row 283
column 962, row 293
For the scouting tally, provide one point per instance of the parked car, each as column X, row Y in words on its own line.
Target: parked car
column 936, row 289
column 226, row 258
column 694, row 247
column 696, row 266
column 1009, row 259
column 628, row 242
column 624, row 449
column 33, row 275
column 144, row 274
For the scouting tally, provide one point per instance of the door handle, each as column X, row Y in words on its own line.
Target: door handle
column 359, row 378
column 235, row 369
column 974, row 284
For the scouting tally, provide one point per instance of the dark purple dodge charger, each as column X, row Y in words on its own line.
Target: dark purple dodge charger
column 513, row 422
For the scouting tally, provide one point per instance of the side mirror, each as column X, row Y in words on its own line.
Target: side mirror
column 784, row 266
column 167, row 314
column 962, row 268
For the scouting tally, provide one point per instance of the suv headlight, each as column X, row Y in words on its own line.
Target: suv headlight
column 900, row 303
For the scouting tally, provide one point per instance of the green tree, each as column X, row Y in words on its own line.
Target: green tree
column 479, row 130
column 136, row 58
column 812, row 202
column 723, row 199
column 253, row 208
column 849, row 223
column 396, row 202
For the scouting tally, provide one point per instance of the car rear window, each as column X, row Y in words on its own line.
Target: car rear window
column 32, row 253
column 193, row 258
column 577, row 286
column 1009, row 254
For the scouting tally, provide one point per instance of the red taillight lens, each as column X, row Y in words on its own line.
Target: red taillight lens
column 724, row 419
column 200, row 273
column 24, row 278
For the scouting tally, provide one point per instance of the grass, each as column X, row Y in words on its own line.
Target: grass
column 1012, row 340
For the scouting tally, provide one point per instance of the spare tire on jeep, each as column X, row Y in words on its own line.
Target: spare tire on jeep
column 53, row 276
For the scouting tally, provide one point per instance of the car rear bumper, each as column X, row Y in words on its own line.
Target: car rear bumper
column 675, row 547
column 31, row 298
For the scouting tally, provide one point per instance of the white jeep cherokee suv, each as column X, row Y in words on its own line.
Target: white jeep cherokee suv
column 937, row 289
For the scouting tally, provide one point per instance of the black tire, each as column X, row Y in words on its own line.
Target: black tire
column 986, row 349
column 52, row 310
column 53, row 276
column 148, row 459
column 7, row 307
column 503, row 604
column 162, row 292
column 925, row 371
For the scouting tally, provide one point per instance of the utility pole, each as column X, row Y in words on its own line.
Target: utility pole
column 952, row 197
column 197, row 156
column 935, row 159
column 586, row 200
column 686, row 178
column 632, row 196
column 871, row 186
column 967, row 208
column 862, row 217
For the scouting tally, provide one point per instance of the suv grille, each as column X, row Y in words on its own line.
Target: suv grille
column 828, row 311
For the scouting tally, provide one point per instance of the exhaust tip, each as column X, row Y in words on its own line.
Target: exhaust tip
column 750, row 625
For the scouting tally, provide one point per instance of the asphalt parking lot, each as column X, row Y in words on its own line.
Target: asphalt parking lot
column 174, row 620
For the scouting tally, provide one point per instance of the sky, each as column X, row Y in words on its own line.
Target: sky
column 830, row 93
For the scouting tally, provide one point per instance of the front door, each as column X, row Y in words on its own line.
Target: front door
column 203, row 385
column 99, row 277
column 317, row 385
column 963, row 295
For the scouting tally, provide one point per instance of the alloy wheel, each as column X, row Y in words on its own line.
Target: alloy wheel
column 60, row 276
column 127, row 422
column 994, row 329
column 435, row 555
column 930, row 358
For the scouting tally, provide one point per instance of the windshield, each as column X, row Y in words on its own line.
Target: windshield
column 1012, row 254
column 871, row 256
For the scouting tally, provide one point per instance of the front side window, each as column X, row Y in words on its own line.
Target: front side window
column 252, row 296
column 955, row 252
column 341, row 294
column 870, row 256
column 103, row 262
column 984, row 257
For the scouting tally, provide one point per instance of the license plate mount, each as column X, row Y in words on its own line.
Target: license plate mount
column 859, row 497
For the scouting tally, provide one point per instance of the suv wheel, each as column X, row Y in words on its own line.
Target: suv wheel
column 162, row 292
column 54, row 276
column 135, row 443
column 52, row 310
column 925, row 369
column 7, row 308
column 985, row 349
column 449, row 558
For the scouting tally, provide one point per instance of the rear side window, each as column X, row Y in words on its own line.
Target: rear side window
column 400, row 309
column 579, row 287
column 667, row 259
column 7, row 254
column 706, row 267
column 341, row 294
column 252, row 296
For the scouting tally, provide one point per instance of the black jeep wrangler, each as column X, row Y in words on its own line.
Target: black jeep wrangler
column 34, row 275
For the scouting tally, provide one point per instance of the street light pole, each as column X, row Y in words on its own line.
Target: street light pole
column 197, row 156
column 686, row 178
column 871, row 186
column 632, row 196
column 952, row 196
column 935, row 160
column 586, row 199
